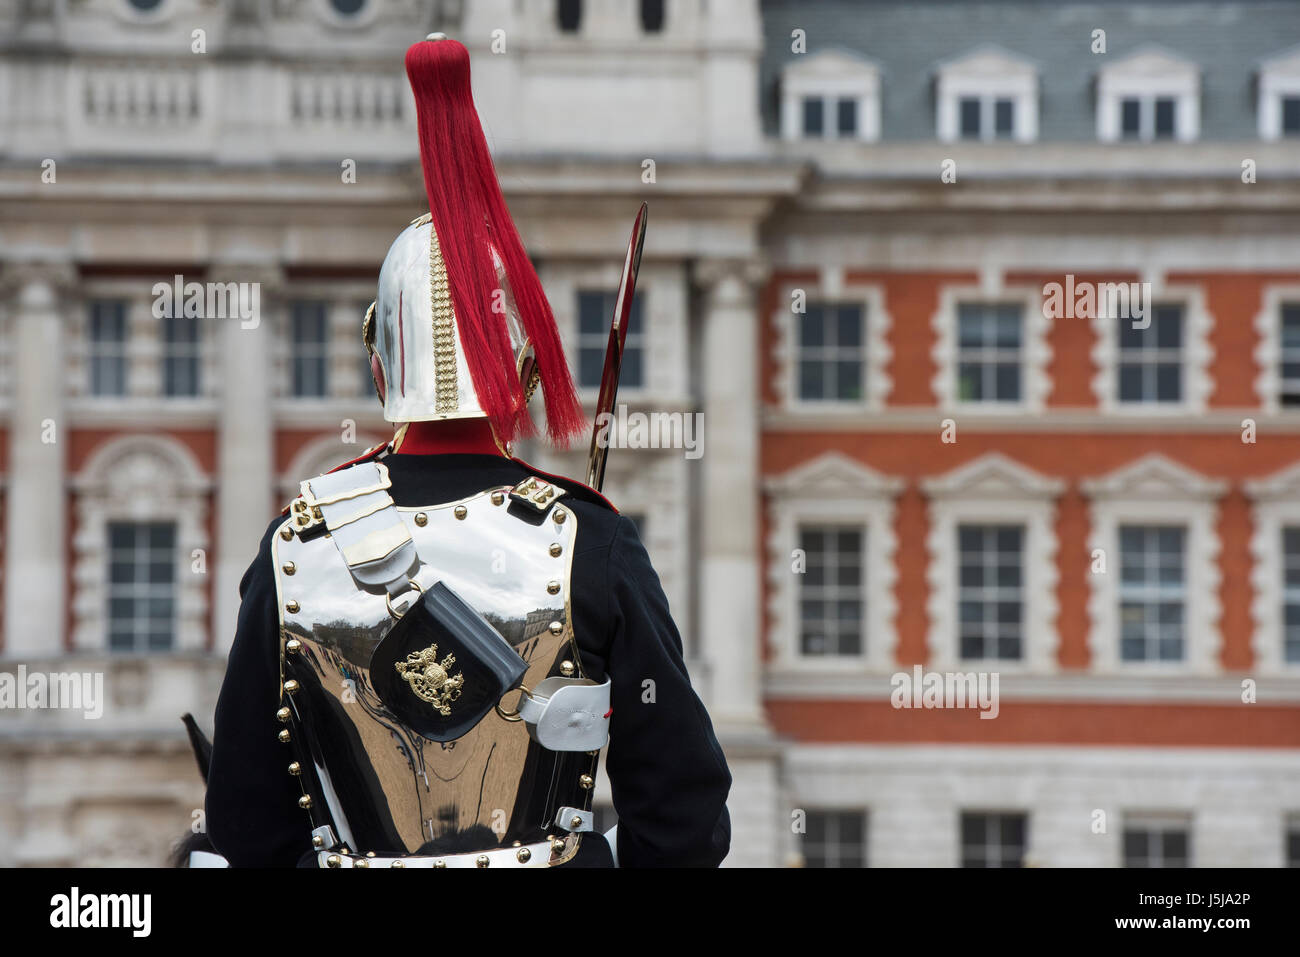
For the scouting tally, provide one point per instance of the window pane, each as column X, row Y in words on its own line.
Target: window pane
column 847, row 117
column 1003, row 118
column 1168, row 324
column 970, row 117
column 107, row 347
column 1008, row 382
column 1169, row 382
column 831, row 591
column 593, row 319
column 652, row 15
column 568, row 15
column 812, row 116
column 141, row 585
column 1164, row 118
column 848, row 327
column 309, row 349
column 1130, row 118
column 1291, row 115
column 812, row 327
column 181, row 338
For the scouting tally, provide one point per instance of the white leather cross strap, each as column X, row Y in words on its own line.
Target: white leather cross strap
column 567, row 714
column 574, row 819
column 207, row 859
column 529, row 855
column 365, row 525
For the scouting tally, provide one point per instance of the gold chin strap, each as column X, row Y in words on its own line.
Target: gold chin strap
column 503, row 449
column 399, row 437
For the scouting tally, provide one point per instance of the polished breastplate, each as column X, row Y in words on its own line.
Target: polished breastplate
column 371, row 784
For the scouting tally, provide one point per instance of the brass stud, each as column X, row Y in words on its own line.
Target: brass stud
column 556, row 549
column 587, row 781
column 304, row 802
column 370, row 853
column 575, row 822
column 284, row 714
column 498, row 498
column 482, row 861
column 293, row 646
column 334, row 860
column 421, row 519
column 566, row 668
column 439, row 864
column 560, row 516
column 557, row 845
column 553, row 587
column 516, row 843
column 397, row 864
column 291, row 686
column 284, row 736
column 556, row 627
column 289, row 568
column 317, row 841
column 286, row 533
column 523, row 855
column 361, row 863
column 295, row 769
column 291, row 606
column 460, row 511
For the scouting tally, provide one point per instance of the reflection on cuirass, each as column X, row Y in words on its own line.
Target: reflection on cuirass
column 388, row 789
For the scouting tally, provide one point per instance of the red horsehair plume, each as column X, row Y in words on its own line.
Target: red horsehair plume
column 471, row 217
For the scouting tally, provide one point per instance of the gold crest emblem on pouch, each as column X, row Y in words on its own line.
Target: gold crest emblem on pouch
column 431, row 679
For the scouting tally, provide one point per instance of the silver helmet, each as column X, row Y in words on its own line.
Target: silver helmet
column 412, row 329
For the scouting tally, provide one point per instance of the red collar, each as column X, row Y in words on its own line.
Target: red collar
column 448, row 437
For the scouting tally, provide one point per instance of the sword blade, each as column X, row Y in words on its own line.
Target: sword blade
column 614, row 351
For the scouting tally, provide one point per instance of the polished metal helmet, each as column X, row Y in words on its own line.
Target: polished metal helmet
column 412, row 332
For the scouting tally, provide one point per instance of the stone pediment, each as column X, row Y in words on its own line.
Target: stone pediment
column 1154, row 477
column 831, row 63
column 832, row 475
column 993, row 476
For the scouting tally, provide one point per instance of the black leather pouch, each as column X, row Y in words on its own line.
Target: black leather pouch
column 443, row 666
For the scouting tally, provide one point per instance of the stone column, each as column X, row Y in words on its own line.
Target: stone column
column 730, row 550
column 35, row 581
column 730, row 557
column 245, row 462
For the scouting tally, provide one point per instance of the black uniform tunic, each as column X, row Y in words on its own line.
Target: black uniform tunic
column 667, row 773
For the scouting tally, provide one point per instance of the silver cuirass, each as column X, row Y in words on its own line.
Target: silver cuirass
column 377, row 792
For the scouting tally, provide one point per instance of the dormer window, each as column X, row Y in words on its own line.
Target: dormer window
column 987, row 95
column 1148, row 96
column 830, row 95
column 1279, row 96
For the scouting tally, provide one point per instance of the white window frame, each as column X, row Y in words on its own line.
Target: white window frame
column 832, row 489
column 831, row 75
column 1155, row 490
column 1268, row 351
column 1148, row 821
column 1036, row 350
column 993, row 489
column 1276, row 504
column 1197, row 354
column 863, row 813
column 1279, row 77
column 139, row 478
column 833, row 290
column 987, row 74
column 664, row 309
column 990, row 812
column 1147, row 75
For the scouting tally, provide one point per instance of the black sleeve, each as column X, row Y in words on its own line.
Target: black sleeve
column 252, row 804
column 666, row 769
